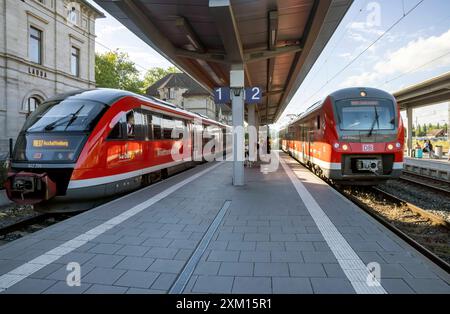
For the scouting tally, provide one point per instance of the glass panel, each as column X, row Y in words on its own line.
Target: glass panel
column 35, row 45
column 74, row 62
column 33, row 103
column 168, row 125
column 157, row 132
column 117, row 133
column 149, row 126
column 359, row 115
column 67, row 115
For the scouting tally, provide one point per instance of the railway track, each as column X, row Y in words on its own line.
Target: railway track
column 434, row 184
column 431, row 242
column 426, row 232
column 28, row 225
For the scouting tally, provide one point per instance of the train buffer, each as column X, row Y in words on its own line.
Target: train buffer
column 195, row 232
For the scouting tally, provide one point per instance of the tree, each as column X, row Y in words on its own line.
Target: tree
column 155, row 74
column 425, row 129
column 116, row 70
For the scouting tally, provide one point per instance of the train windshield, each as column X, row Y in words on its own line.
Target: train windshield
column 366, row 115
column 66, row 115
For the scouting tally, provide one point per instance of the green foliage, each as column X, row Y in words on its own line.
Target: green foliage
column 155, row 74
column 423, row 130
column 116, row 70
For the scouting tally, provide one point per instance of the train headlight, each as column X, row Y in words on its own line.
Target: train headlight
column 398, row 145
column 390, row 147
column 345, row 147
column 336, row 145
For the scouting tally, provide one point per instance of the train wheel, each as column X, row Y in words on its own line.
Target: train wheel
column 155, row 176
column 146, row 180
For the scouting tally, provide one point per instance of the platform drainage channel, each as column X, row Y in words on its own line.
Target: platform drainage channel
column 182, row 280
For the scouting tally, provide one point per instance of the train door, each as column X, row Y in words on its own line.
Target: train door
column 304, row 143
column 309, row 139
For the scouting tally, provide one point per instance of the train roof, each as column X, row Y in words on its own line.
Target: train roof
column 355, row 92
column 104, row 95
column 109, row 96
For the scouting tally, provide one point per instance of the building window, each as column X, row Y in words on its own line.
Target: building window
column 72, row 16
column 75, row 61
column 171, row 93
column 31, row 104
column 35, row 43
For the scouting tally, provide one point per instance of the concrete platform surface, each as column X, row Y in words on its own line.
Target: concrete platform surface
column 284, row 232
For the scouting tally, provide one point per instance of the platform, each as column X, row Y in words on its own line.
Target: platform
column 284, row 232
column 435, row 168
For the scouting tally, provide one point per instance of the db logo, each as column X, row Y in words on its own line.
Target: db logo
column 368, row 148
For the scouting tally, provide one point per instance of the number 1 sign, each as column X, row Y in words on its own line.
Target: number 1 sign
column 222, row 95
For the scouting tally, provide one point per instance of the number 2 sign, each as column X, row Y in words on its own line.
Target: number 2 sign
column 253, row 95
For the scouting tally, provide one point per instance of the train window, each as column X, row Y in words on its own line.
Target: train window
column 168, row 125
column 358, row 115
column 318, row 122
column 180, row 126
column 130, row 125
column 157, row 127
column 140, row 127
column 119, row 132
column 148, row 121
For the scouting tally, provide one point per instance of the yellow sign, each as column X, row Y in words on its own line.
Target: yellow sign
column 54, row 143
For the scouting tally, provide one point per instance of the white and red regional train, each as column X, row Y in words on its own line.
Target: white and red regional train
column 80, row 147
column 354, row 136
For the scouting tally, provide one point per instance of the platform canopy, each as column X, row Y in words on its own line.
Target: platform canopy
column 430, row 92
column 277, row 41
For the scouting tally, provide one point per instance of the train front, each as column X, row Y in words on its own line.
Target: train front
column 370, row 136
column 48, row 147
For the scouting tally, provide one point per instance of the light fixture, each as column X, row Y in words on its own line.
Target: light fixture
column 398, row 145
column 236, row 91
column 336, row 145
column 363, row 94
column 345, row 147
column 390, row 147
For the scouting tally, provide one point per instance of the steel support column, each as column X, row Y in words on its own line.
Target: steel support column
column 237, row 103
column 409, row 131
column 252, row 132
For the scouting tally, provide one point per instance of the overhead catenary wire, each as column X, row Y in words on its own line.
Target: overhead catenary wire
column 367, row 48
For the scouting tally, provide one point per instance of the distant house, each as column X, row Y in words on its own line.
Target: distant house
column 182, row 91
column 436, row 133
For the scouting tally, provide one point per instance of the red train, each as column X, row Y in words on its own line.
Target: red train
column 80, row 147
column 354, row 136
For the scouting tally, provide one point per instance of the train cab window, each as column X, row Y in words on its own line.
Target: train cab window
column 119, row 132
column 130, row 125
column 157, row 127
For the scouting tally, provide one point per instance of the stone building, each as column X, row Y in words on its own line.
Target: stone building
column 182, row 91
column 46, row 47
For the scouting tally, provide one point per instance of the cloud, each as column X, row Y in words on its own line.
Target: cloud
column 414, row 54
column 107, row 30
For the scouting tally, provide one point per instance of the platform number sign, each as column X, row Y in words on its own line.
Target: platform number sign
column 253, row 95
column 222, row 95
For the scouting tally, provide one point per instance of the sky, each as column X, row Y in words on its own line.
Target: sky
column 387, row 44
